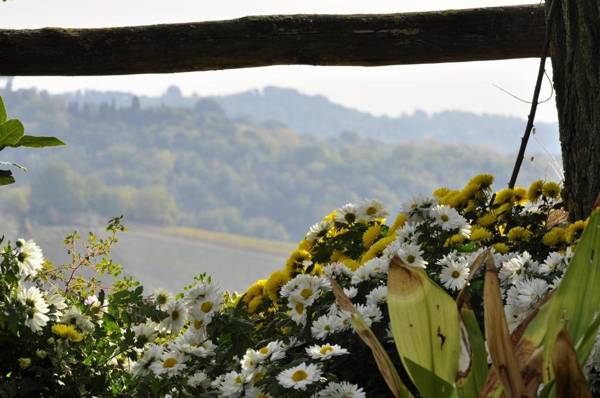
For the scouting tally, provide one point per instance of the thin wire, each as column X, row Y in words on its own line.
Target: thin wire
column 525, row 101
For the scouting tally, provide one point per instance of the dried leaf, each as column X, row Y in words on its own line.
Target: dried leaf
column 570, row 381
column 557, row 217
column 384, row 363
column 500, row 344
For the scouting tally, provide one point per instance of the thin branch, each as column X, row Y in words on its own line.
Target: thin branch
column 534, row 101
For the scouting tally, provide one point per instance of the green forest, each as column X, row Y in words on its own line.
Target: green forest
column 196, row 166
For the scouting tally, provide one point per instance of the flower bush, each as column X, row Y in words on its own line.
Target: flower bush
column 64, row 334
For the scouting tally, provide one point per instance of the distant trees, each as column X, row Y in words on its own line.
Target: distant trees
column 197, row 167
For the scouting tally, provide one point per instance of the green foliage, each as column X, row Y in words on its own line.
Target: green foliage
column 12, row 134
column 199, row 167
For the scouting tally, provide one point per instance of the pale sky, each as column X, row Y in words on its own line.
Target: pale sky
column 389, row 90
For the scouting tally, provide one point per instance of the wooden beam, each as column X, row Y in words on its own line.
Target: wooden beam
column 352, row 40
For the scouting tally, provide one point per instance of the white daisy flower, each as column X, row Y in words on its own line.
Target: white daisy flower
column 412, row 255
column 162, row 298
column 553, row 262
column 568, row 256
column 556, row 282
column 36, row 308
column 250, row 361
column 516, row 268
column 197, row 324
column 299, row 377
column 192, row 343
column 318, row 230
column 341, row 390
column 370, row 313
column 325, row 351
column 256, row 392
column 152, row 354
column 146, row 331
column 29, row 257
column 176, row 316
column 324, row 326
column 361, row 274
column 370, row 210
column 298, row 309
column 56, row 303
column 418, row 208
column 198, row 379
column 232, row 384
column 377, row 296
column 204, row 309
column 407, row 234
column 347, row 214
column 454, row 275
column 171, row 363
column 345, row 321
column 378, row 266
column 96, row 307
column 305, row 287
column 274, row 350
column 529, row 292
column 449, row 258
column 447, row 218
column 74, row 316
column 350, row 292
column 201, row 291
column 336, row 269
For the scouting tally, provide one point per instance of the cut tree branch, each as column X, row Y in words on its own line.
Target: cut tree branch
column 352, row 40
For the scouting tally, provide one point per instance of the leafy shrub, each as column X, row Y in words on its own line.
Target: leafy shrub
column 65, row 330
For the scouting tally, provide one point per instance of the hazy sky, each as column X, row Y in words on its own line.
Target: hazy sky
column 381, row 90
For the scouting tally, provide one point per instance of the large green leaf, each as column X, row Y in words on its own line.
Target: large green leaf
column 3, row 115
column 38, row 142
column 576, row 301
column 425, row 325
column 11, row 132
column 6, row 177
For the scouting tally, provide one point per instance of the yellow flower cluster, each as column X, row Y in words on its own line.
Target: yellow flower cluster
column 68, row 332
column 491, row 215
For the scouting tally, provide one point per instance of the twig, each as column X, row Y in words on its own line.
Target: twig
column 534, row 102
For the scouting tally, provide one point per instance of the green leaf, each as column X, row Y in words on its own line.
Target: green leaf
column 6, row 177
column 425, row 324
column 576, row 301
column 3, row 115
column 475, row 379
column 588, row 340
column 438, row 388
column 38, row 142
column 11, row 132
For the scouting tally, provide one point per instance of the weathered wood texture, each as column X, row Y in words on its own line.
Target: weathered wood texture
column 359, row 40
column 575, row 46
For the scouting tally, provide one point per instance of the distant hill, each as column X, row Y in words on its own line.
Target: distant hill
column 197, row 166
column 318, row 116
